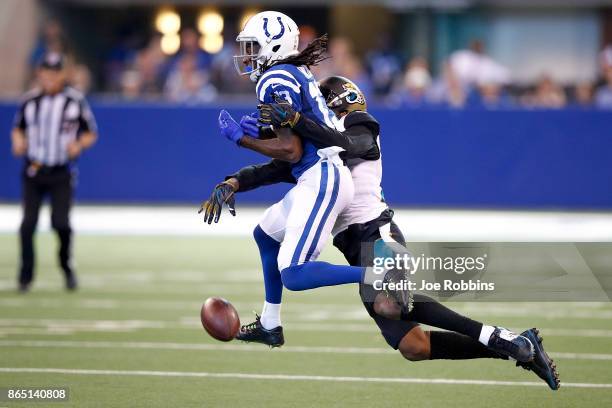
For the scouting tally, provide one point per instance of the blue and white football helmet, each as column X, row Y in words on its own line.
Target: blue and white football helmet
column 267, row 37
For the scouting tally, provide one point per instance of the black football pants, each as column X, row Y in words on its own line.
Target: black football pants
column 57, row 184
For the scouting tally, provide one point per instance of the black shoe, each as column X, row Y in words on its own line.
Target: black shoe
column 542, row 365
column 255, row 333
column 515, row 346
column 395, row 285
column 71, row 282
column 395, row 281
column 23, row 288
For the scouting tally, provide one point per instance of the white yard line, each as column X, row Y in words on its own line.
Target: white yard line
column 69, row 326
column 581, row 356
column 290, row 377
column 421, row 225
column 244, row 347
column 581, row 310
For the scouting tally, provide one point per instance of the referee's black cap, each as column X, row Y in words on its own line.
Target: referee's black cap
column 52, row 60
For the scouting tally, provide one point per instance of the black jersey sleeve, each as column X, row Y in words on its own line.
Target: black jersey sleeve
column 358, row 140
column 273, row 172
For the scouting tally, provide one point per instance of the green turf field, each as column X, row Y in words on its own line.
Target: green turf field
column 131, row 337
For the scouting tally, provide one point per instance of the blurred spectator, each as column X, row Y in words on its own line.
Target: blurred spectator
column 469, row 76
column 548, row 94
column 343, row 62
column 189, row 46
column 383, row 66
column 307, row 35
column 131, row 84
column 146, row 67
column 412, row 91
column 188, row 84
column 117, row 59
column 340, row 50
column 472, row 66
column 489, row 95
column 603, row 98
column 353, row 69
column 583, row 95
column 605, row 58
column 50, row 41
column 223, row 72
column 448, row 90
column 340, row 47
column 79, row 77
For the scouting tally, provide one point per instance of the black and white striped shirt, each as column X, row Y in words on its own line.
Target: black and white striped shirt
column 51, row 122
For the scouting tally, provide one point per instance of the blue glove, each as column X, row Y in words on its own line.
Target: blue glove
column 248, row 123
column 229, row 128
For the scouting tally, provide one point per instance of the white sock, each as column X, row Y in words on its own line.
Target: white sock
column 485, row 334
column 270, row 315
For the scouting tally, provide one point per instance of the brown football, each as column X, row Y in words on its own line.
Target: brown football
column 220, row 319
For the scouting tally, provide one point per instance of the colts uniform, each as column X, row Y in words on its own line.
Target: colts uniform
column 304, row 218
column 367, row 217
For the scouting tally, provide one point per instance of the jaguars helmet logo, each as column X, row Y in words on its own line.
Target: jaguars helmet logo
column 352, row 93
column 342, row 95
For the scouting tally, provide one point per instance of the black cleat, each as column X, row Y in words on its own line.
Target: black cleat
column 71, row 283
column 395, row 285
column 542, row 365
column 23, row 288
column 507, row 343
column 255, row 333
column 395, row 281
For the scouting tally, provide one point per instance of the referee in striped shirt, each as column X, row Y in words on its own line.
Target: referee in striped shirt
column 52, row 127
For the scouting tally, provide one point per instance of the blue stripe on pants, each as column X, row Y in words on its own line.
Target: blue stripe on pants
column 313, row 214
column 328, row 210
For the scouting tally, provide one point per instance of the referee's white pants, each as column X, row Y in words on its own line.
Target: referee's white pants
column 302, row 221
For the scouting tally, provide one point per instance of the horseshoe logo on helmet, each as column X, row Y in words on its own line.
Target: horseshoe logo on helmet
column 277, row 36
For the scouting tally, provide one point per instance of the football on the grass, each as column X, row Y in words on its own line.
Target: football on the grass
column 220, row 319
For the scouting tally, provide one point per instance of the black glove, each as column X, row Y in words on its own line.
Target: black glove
column 278, row 114
column 222, row 194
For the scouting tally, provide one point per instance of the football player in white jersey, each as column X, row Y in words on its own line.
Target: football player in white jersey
column 367, row 219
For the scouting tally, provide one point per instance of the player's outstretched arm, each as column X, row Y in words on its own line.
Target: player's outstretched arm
column 255, row 176
column 359, row 141
column 245, row 179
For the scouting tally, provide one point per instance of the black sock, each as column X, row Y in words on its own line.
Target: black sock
column 428, row 311
column 455, row 346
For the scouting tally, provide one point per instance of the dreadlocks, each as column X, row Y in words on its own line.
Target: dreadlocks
column 309, row 56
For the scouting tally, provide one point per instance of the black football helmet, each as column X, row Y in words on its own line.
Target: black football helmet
column 342, row 95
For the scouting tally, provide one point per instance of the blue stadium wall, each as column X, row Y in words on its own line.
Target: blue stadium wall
column 432, row 158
